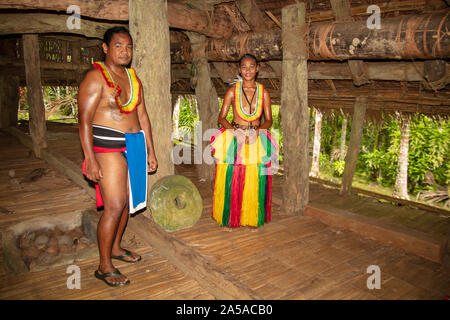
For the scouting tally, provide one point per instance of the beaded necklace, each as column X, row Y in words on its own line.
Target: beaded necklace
column 134, row 85
column 238, row 92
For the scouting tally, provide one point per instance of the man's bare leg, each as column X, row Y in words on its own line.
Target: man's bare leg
column 116, row 248
column 113, row 187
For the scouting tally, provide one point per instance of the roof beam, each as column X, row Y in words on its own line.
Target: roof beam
column 256, row 19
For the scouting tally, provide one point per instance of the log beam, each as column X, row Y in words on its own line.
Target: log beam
column 384, row 71
column 117, row 10
column 342, row 12
column 359, row 114
column 256, row 19
column 150, row 32
column 50, row 23
column 294, row 111
column 404, row 37
column 181, row 16
column 38, row 129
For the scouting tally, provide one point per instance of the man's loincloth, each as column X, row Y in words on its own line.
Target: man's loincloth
column 134, row 148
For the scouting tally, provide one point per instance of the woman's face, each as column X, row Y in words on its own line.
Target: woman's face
column 248, row 69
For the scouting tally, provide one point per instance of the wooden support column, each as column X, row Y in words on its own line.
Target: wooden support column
column 38, row 129
column 9, row 100
column 359, row 72
column 294, row 110
column 76, row 59
column 359, row 114
column 151, row 59
column 208, row 105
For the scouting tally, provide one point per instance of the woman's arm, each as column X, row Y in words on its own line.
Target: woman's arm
column 267, row 111
column 224, row 110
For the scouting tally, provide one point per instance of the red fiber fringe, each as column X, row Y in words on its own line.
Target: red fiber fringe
column 237, row 190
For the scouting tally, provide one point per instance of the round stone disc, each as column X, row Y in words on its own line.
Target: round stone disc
column 175, row 203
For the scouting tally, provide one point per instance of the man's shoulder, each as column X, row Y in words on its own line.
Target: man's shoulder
column 93, row 75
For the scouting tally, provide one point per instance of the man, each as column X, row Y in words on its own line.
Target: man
column 108, row 127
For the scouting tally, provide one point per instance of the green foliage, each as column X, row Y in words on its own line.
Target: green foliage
column 338, row 168
column 277, row 129
column 324, row 161
column 188, row 116
column 428, row 150
column 60, row 103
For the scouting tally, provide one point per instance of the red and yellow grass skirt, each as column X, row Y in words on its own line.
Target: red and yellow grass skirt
column 243, row 179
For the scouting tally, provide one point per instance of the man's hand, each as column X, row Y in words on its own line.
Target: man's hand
column 152, row 163
column 93, row 170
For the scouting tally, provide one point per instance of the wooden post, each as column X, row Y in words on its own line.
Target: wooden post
column 38, row 129
column 294, row 110
column 76, row 59
column 9, row 100
column 359, row 113
column 151, row 59
column 341, row 10
column 208, row 105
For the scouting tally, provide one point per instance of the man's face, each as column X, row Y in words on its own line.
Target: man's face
column 120, row 49
column 248, row 69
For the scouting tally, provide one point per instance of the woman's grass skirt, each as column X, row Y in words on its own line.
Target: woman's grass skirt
column 243, row 179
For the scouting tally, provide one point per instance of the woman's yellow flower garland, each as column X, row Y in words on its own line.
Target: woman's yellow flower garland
column 134, row 85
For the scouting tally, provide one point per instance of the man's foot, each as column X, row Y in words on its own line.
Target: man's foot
column 127, row 256
column 112, row 279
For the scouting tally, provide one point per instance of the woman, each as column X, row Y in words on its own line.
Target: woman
column 243, row 150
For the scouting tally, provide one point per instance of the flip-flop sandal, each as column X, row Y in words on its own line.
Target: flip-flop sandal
column 103, row 277
column 125, row 255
